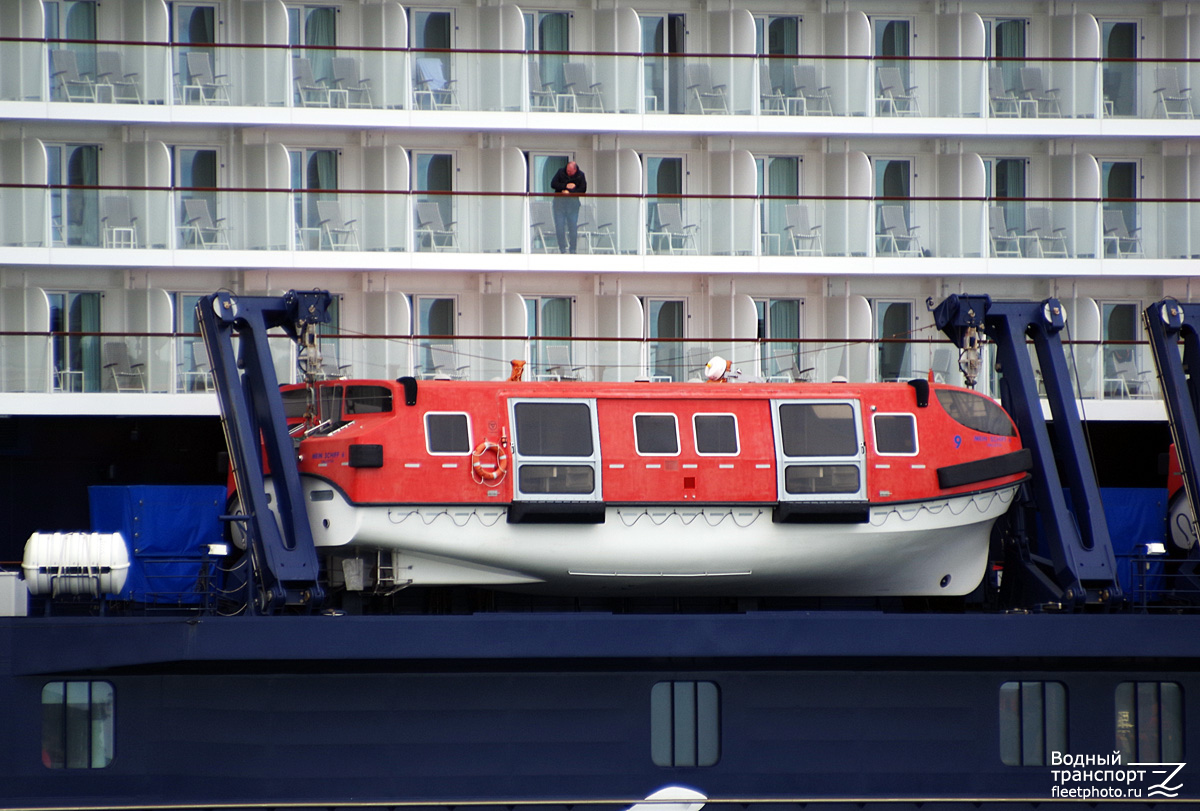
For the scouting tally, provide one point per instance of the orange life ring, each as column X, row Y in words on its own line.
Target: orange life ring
column 482, row 474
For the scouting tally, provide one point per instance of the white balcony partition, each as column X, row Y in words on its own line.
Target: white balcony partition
column 1084, row 360
column 24, row 359
column 502, row 314
column 959, row 224
column 386, row 26
column 847, row 228
column 24, row 76
column 734, row 317
column 1076, row 176
column 499, row 76
column 145, row 310
column 1179, row 223
column 500, row 223
column 959, row 84
column 148, row 164
column 386, row 312
column 851, row 81
column 847, row 319
column 1078, row 36
column 24, row 219
column 266, row 72
column 266, row 220
column 729, row 225
column 385, row 217
column 617, row 316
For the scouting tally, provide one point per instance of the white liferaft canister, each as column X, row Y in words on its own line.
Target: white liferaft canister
column 61, row 563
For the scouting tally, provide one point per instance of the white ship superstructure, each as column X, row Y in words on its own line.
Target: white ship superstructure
column 784, row 184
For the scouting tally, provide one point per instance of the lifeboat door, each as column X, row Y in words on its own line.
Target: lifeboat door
column 820, row 450
column 555, row 451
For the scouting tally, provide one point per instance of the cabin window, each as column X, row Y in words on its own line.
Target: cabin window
column 77, row 724
column 656, row 434
column 1149, row 722
column 976, row 412
column 554, row 429
column 368, row 400
column 1033, row 721
column 447, row 434
column 716, row 434
column 685, row 723
column 818, row 429
column 896, row 434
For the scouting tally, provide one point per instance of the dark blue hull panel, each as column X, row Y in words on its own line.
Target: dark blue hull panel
column 563, row 707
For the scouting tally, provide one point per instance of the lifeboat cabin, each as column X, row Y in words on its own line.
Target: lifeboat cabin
column 837, row 489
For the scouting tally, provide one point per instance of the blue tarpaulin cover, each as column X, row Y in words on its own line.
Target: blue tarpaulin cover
column 1136, row 516
column 168, row 529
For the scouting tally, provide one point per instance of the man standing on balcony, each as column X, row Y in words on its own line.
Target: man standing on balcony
column 567, row 182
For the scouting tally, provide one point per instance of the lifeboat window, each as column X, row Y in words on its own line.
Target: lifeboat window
column 77, row 724
column 896, row 434
column 820, row 479
column 716, row 434
column 818, row 429
column 976, row 412
column 656, row 434
column 368, row 400
column 447, row 434
column 554, row 429
column 295, row 403
column 574, row 479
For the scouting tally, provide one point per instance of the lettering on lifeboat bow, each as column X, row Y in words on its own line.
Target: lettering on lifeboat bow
column 484, row 474
column 983, row 469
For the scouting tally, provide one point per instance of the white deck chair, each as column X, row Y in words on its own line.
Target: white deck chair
column 588, row 96
column 346, row 79
column 1005, row 240
column 339, row 232
column 434, row 90
column 198, row 223
column 201, row 83
column 673, row 236
column 1039, row 224
column 895, row 97
column 110, row 73
column 805, row 238
column 441, row 236
column 709, row 98
column 70, row 83
column 897, row 237
column 1035, row 90
column 310, row 92
column 120, row 226
column 1120, row 240
column 816, row 98
column 1174, row 101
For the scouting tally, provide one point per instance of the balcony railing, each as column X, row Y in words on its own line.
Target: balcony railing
column 136, row 73
column 89, row 363
column 140, row 218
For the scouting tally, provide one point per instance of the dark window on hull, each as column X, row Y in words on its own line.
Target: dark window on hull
column 1033, row 722
column 77, row 724
column 685, row 723
column 1149, row 722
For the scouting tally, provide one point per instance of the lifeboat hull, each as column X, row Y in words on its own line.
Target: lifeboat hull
column 937, row 547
